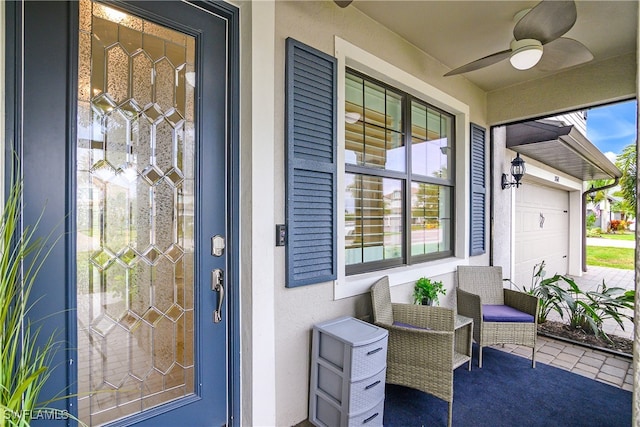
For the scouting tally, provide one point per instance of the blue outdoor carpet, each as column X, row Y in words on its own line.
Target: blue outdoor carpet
column 508, row 392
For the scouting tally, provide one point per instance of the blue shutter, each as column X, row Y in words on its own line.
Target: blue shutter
column 478, row 190
column 311, row 102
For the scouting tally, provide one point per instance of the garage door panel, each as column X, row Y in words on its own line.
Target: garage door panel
column 541, row 231
column 536, row 195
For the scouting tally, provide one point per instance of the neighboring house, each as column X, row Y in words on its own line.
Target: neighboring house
column 287, row 152
column 605, row 211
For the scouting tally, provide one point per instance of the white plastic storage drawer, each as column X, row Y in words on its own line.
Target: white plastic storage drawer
column 348, row 372
column 358, row 348
column 360, row 394
column 328, row 415
column 368, row 359
column 372, row 417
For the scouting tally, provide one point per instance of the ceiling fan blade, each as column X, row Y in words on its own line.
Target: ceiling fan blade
column 563, row 53
column 481, row 63
column 547, row 21
column 343, row 3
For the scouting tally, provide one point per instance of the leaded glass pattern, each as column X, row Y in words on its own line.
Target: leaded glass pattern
column 135, row 244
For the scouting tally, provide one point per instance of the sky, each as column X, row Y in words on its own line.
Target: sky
column 612, row 127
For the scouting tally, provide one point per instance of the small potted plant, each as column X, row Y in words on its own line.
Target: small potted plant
column 426, row 291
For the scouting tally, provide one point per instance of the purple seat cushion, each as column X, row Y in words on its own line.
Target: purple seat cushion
column 504, row 313
column 406, row 325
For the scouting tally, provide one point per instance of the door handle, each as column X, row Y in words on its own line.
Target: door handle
column 217, row 285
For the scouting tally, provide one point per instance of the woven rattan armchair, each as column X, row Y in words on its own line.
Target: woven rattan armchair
column 421, row 352
column 480, row 292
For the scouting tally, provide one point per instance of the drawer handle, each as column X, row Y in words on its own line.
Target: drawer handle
column 372, row 385
column 374, row 351
column 371, row 418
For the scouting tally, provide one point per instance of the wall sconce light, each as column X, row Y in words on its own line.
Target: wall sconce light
column 517, row 171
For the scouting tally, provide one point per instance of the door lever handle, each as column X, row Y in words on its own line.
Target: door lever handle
column 217, row 285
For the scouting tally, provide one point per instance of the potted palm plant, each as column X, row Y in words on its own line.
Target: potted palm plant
column 427, row 291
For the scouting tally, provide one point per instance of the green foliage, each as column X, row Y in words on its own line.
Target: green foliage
column 604, row 256
column 427, row 290
column 24, row 366
column 585, row 310
column 591, row 219
column 594, row 232
column 588, row 310
column 623, row 206
column 550, row 294
column 629, row 236
column 627, row 164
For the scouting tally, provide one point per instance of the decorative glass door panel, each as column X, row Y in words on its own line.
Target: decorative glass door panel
column 135, row 214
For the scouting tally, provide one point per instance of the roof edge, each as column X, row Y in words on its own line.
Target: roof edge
column 585, row 148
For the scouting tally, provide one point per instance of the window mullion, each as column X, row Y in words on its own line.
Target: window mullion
column 406, row 124
column 381, row 181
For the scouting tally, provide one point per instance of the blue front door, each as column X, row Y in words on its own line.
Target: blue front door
column 133, row 160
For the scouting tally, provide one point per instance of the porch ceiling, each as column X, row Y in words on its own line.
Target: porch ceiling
column 561, row 147
column 458, row 32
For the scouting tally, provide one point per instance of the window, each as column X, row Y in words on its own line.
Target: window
column 399, row 181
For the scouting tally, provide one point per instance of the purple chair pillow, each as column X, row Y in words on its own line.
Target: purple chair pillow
column 504, row 313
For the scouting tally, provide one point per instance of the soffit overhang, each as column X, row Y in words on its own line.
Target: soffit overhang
column 562, row 147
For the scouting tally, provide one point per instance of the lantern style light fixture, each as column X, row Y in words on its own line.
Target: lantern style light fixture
column 517, row 171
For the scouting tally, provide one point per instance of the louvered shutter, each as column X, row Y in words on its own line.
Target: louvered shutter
column 478, row 190
column 311, row 102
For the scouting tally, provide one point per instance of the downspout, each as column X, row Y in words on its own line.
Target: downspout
column 584, row 218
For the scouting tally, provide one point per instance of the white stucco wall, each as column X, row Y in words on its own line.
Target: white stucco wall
column 503, row 206
column 296, row 310
column 588, row 85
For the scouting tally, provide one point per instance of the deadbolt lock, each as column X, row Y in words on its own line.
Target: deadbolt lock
column 217, row 245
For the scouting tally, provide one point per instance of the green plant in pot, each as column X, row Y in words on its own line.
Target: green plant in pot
column 427, row 291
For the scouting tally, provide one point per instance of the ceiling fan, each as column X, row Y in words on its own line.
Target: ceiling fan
column 538, row 41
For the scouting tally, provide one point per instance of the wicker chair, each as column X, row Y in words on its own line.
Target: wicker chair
column 479, row 290
column 420, row 352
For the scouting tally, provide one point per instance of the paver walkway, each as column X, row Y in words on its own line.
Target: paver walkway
column 612, row 369
column 595, row 364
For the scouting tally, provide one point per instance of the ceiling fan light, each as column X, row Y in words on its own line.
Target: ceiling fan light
column 525, row 53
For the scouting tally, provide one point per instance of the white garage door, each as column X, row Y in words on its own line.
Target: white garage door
column 541, row 231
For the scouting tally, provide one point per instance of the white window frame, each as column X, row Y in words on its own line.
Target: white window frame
column 351, row 56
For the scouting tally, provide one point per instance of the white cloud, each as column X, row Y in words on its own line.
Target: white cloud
column 611, row 156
